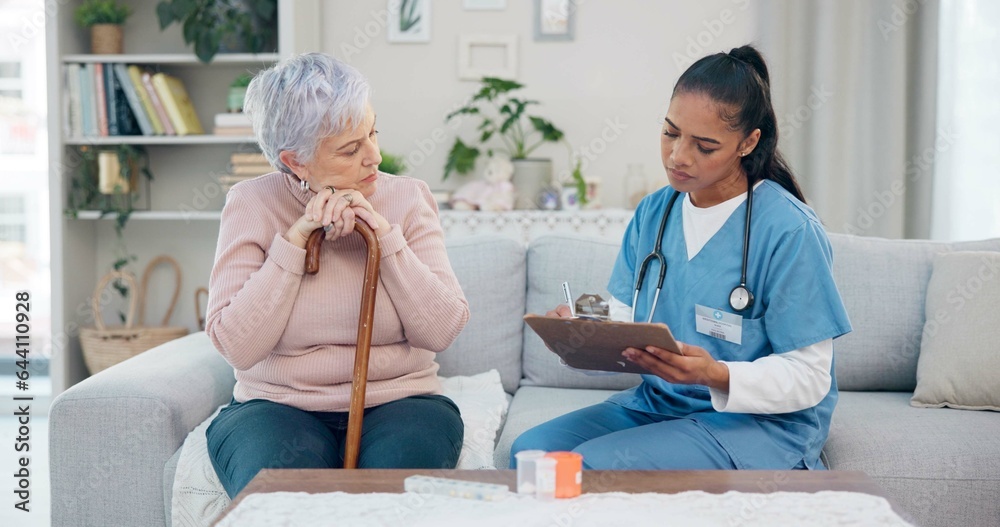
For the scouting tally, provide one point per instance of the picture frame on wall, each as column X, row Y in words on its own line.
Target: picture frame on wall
column 487, row 56
column 484, row 5
column 554, row 20
column 409, row 21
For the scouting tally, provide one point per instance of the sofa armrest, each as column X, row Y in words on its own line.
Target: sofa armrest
column 110, row 435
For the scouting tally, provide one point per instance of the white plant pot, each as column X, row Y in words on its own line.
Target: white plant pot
column 531, row 177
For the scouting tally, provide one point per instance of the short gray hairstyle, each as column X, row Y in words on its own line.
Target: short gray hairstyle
column 296, row 103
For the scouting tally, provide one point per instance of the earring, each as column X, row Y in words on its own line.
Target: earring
column 303, row 184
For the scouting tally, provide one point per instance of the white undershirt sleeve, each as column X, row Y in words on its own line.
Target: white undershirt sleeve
column 778, row 383
column 775, row 384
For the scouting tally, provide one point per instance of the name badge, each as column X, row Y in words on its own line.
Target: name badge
column 718, row 324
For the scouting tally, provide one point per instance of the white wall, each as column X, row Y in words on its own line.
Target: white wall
column 613, row 79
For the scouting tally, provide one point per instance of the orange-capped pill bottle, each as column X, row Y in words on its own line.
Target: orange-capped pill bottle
column 569, row 473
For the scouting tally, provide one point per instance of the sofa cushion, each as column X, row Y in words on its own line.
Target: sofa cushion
column 491, row 271
column 533, row 406
column 883, row 283
column 940, row 466
column 586, row 264
column 959, row 351
column 196, row 497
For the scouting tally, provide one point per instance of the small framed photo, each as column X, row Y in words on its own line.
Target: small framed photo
column 554, row 19
column 487, row 56
column 484, row 5
column 409, row 21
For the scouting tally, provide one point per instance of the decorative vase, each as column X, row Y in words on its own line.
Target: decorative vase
column 106, row 39
column 236, row 97
column 109, row 175
column 635, row 185
column 531, row 178
column 569, row 199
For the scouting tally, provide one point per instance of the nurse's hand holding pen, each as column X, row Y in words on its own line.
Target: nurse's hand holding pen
column 695, row 366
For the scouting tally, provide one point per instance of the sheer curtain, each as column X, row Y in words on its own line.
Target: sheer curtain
column 967, row 174
column 854, row 85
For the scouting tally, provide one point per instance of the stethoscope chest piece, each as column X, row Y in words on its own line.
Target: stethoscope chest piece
column 740, row 298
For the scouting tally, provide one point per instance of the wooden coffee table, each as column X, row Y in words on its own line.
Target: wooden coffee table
column 633, row 481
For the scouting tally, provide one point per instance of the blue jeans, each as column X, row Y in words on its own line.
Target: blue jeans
column 422, row 431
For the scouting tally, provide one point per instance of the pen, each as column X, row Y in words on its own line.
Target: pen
column 569, row 299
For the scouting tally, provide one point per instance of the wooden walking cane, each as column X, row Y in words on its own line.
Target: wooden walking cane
column 360, row 381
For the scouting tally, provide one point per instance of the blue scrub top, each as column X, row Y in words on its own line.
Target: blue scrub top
column 796, row 303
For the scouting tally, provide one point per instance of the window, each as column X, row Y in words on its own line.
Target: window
column 966, row 186
column 13, row 226
column 11, row 84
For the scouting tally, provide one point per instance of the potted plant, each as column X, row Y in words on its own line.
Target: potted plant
column 222, row 25
column 503, row 118
column 107, row 181
column 105, row 19
column 238, row 92
column 392, row 164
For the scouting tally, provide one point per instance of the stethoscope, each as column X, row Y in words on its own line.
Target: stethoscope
column 740, row 298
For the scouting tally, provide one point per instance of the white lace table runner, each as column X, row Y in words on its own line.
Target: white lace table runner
column 828, row 508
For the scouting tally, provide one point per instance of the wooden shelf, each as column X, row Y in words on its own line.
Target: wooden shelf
column 205, row 139
column 170, row 215
column 177, row 58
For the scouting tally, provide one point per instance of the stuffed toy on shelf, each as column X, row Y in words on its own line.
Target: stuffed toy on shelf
column 494, row 192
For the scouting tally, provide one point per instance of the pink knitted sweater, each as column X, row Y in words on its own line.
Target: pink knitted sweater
column 291, row 337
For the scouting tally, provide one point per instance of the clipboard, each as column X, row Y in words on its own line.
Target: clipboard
column 589, row 344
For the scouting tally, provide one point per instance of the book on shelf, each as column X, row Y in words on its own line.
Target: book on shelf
column 89, row 100
column 177, row 104
column 154, row 97
column 232, row 120
column 74, row 105
column 121, row 120
column 100, row 99
column 247, row 131
column 250, row 158
column 135, row 74
column 132, row 97
column 251, row 170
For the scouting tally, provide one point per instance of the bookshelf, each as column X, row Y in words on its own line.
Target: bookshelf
column 185, row 196
column 177, row 140
column 176, row 58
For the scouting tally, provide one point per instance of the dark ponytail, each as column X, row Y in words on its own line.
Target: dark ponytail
column 739, row 82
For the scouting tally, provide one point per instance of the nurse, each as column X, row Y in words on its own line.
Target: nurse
column 755, row 386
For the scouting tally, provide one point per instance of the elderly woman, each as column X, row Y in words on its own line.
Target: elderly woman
column 291, row 337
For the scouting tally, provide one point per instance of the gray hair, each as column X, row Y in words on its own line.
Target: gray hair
column 296, row 103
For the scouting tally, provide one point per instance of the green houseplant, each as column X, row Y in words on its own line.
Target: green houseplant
column 504, row 121
column 104, row 18
column 392, row 164
column 501, row 116
column 90, row 189
column 214, row 25
column 238, row 92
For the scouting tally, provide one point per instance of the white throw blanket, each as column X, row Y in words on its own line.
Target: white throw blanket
column 198, row 497
column 794, row 509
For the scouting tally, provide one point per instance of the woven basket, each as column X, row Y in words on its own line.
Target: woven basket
column 104, row 347
column 106, row 39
